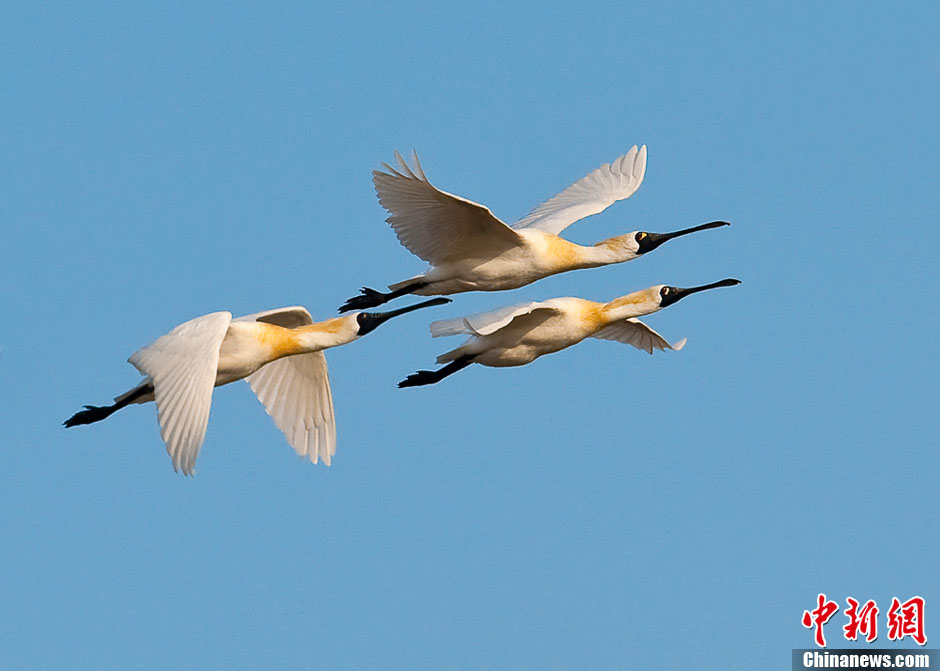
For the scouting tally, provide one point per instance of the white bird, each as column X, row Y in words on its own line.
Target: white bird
column 518, row 334
column 469, row 249
column 278, row 351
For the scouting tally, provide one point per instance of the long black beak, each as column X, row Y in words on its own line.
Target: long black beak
column 676, row 293
column 369, row 321
column 653, row 240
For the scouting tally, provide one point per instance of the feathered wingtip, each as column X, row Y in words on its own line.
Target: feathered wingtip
column 419, row 171
column 404, row 170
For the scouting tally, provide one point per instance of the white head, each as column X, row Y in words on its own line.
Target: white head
column 628, row 247
column 655, row 298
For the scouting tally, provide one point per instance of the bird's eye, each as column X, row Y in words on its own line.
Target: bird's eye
column 664, row 291
column 640, row 236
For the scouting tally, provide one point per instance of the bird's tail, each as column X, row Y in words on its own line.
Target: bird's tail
column 452, row 355
column 417, row 280
column 449, row 327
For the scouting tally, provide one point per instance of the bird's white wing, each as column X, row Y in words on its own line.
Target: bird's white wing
column 485, row 323
column 289, row 318
column 438, row 226
column 295, row 391
column 636, row 333
column 591, row 194
column 183, row 365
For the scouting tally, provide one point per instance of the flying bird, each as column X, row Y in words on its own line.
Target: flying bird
column 469, row 249
column 518, row 334
column 278, row 351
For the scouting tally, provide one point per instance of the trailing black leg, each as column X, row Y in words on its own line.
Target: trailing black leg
column 370, row 298
column 423, row 377
column 96, row 413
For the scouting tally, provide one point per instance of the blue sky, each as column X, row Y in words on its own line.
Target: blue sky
column 599, row 508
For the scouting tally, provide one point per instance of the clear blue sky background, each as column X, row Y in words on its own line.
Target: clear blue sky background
column 599, row 508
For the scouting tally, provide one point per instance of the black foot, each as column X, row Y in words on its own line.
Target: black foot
column 367, row 298
column 423, row 377
column 91, row 414
column 420, row 378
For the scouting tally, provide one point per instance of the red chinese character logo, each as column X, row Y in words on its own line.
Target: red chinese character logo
column 907, row 619
column 861, row 621
column 820, row 616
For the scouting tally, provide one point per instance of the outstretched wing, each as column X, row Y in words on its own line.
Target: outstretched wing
column 485, row 323
column 636, row 333
column 589, row 195
column 183, row 365
column 295, row 391
column 438, row 226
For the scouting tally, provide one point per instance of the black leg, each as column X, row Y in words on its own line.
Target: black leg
column 423, row 377
column 96, row 413
column 91, row 414
column 370, row 298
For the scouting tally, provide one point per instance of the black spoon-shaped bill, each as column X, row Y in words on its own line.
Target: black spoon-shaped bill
column 650, row 241
column 669, row 295
column 369, row 321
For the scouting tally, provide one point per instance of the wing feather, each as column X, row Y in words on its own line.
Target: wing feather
column 183, row 366
column 485, row 323
column 289, row 318
column 593, row 193
column 435, row 225
column 636, row 333
column 295, row 391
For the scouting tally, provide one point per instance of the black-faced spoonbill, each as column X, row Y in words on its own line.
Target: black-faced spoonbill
column 278, row 351
column 519, row 334
column 469, row 249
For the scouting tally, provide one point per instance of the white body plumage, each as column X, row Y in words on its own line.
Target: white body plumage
column 470, row 249
column 537, row 254
column 518, row 334
column 279, row 352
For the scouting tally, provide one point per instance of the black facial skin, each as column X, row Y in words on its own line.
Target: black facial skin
column 669, row 295
column 647, row 242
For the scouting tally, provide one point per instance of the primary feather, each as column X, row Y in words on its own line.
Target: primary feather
column 182, row 365
column 435, row 225
column 636, row 333
column 295, row 391
column 591, row 194
column 485, row 323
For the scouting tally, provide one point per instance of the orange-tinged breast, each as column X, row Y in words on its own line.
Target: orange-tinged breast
column 592, row 315
column 280, row 341
column 277, row 341
column 561, row 253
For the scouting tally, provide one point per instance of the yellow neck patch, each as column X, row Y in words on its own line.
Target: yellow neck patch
column 636, row 298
